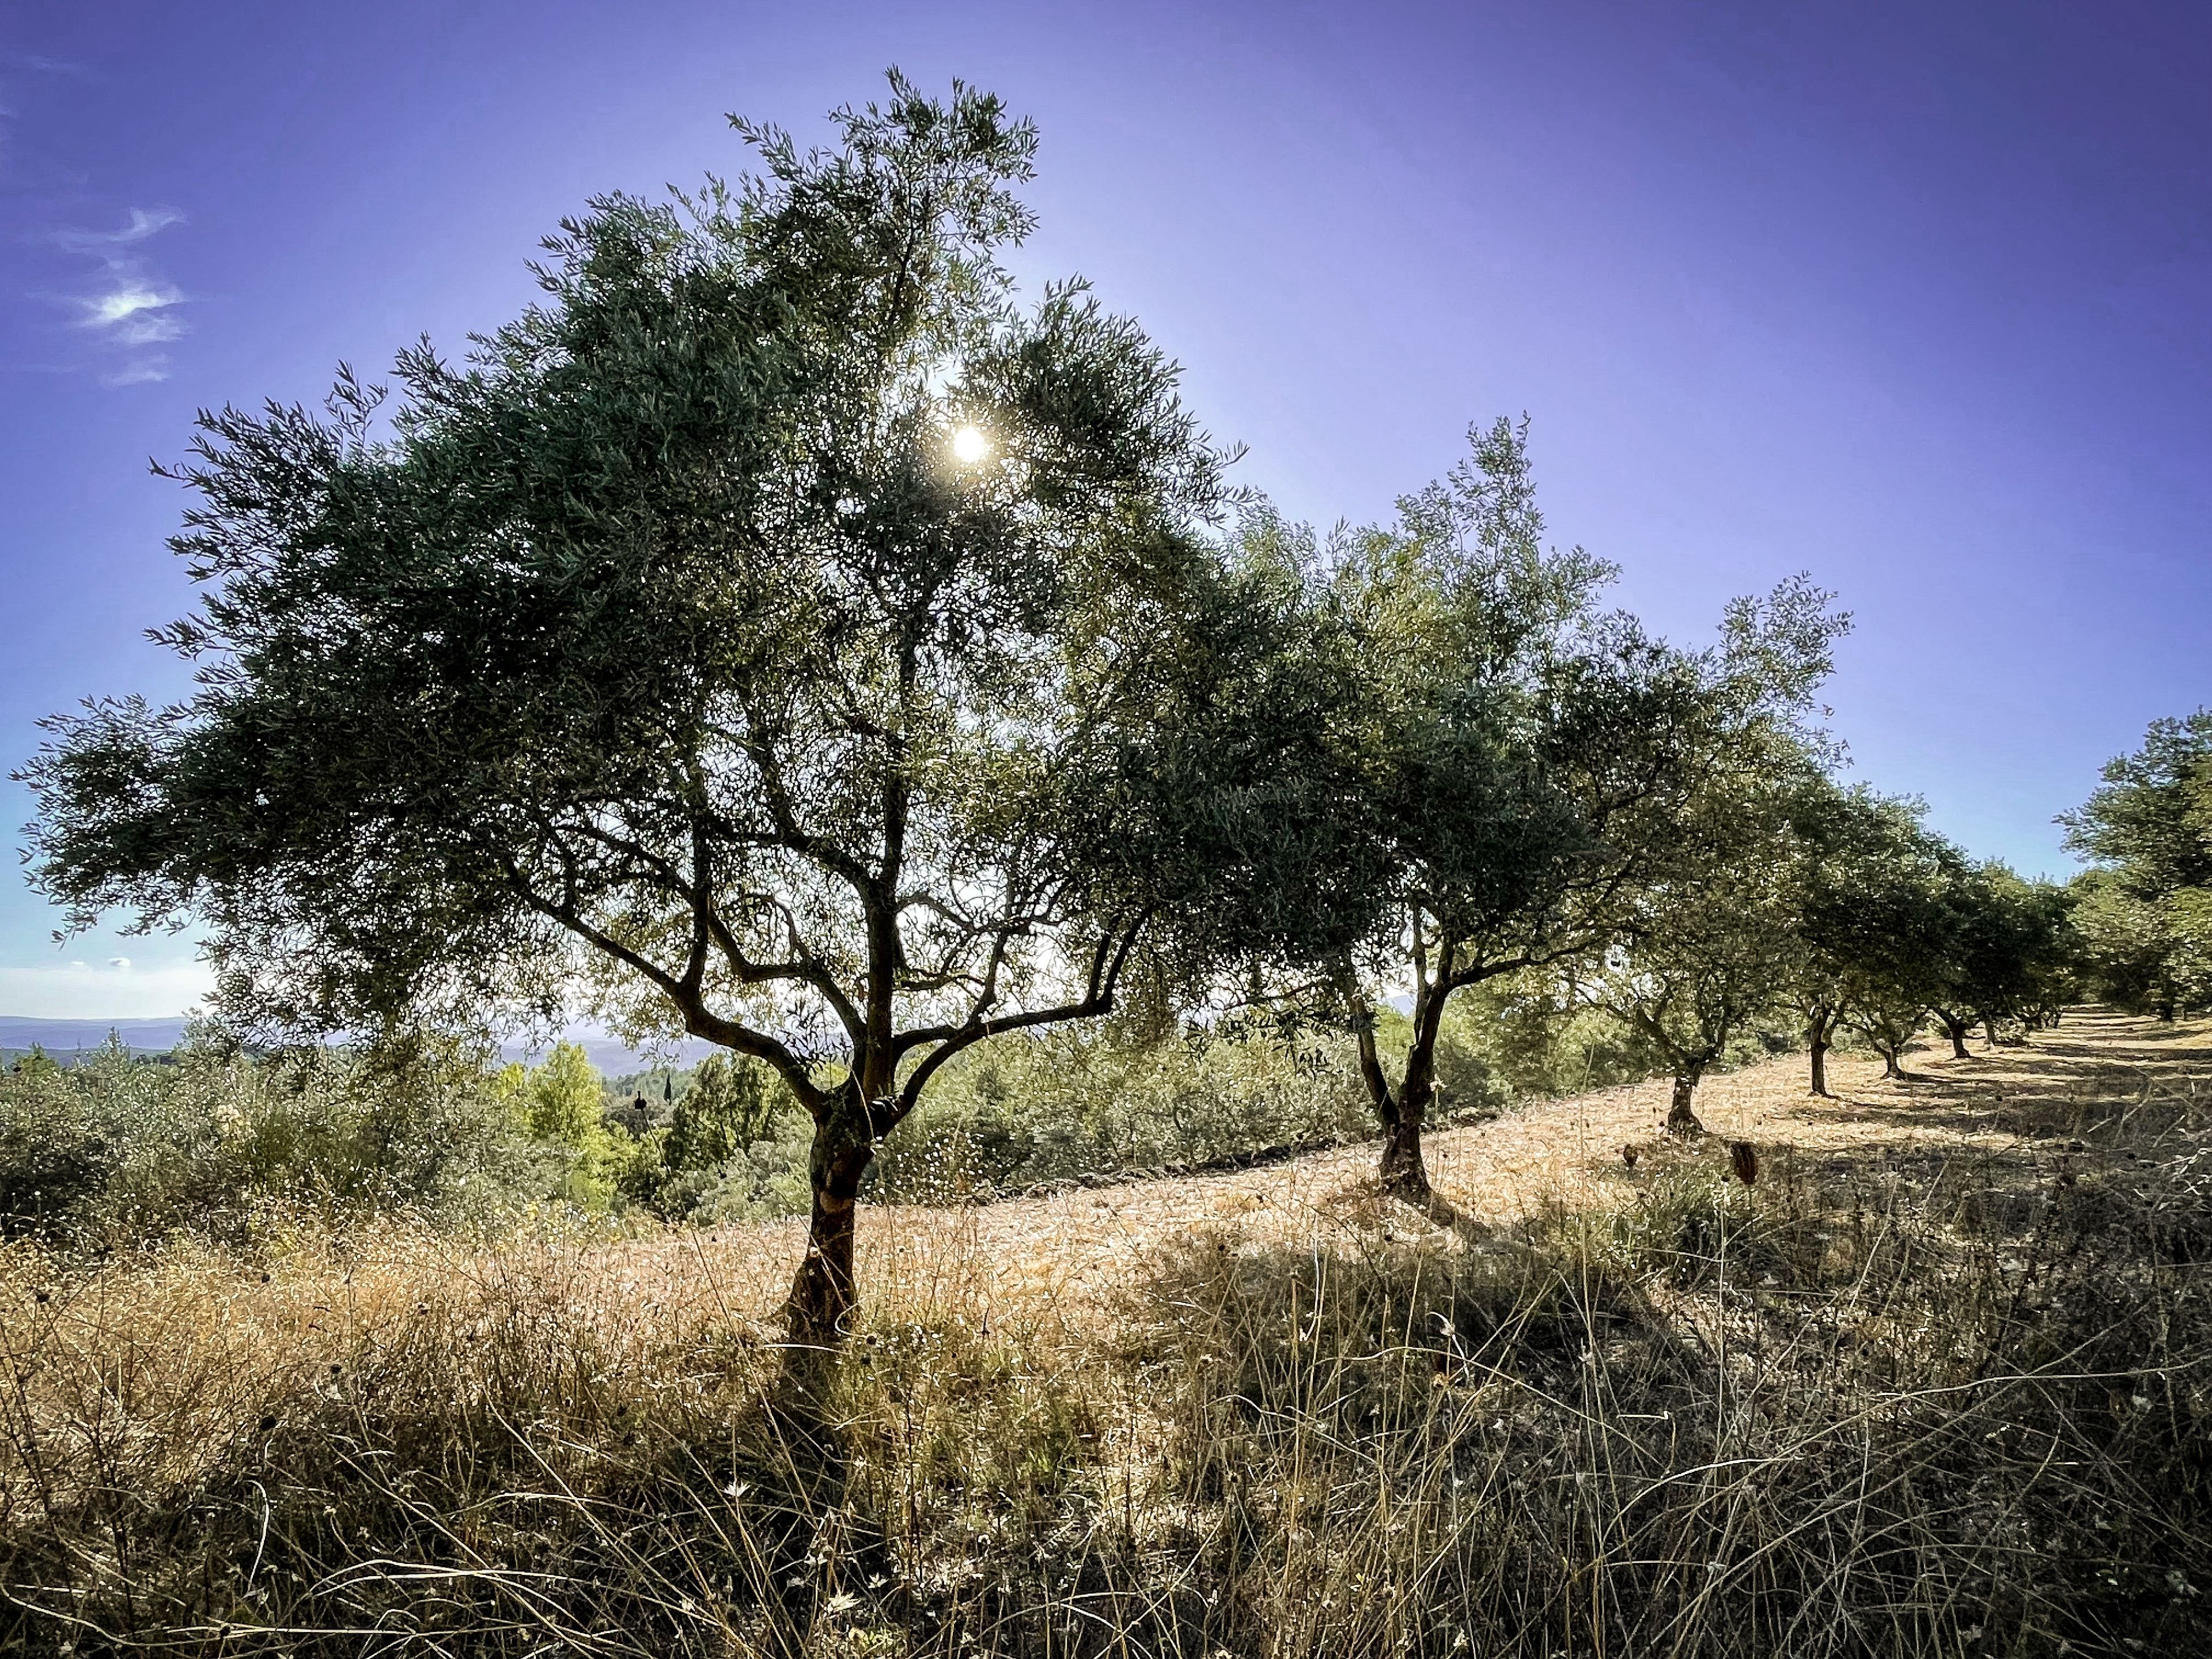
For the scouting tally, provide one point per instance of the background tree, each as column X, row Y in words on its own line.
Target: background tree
column 731, row 1103
column 774, row 635
column 1855, row 850
column 1906, row 951
column 2147, row 828
column 2148, row 955
column 562, row 1104
column 2005, row 942
column 1715, row 942
column 1517, row 760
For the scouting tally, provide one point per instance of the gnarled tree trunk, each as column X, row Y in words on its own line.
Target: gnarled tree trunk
column 1680, row 1119
column 822, row 1295
column 1819, row 1027
column 1955, row 1029
column 1404, row 1173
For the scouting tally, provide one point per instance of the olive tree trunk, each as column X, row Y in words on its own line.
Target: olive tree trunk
column 1681, row 1118
column 1819, row 1028
column 822, row 1295
column 1955, row 1029
column 1403, row 1172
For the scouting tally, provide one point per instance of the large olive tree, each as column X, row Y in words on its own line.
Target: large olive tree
column 776, row 634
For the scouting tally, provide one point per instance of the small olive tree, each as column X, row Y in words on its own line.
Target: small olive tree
column 1512, row 768
column 1864, row 863
column 776, row 634
column 1716, row 941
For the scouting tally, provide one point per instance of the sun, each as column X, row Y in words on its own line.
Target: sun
column 970, row 445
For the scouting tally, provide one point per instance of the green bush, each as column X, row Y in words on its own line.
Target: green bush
column 1077, row 1101
column 120, row 1150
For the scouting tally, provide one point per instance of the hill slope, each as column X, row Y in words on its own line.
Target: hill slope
column 1939, row 1384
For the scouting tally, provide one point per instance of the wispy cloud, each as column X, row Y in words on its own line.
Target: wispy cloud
column 134, row 313
column 142, row 224
column 133, row 310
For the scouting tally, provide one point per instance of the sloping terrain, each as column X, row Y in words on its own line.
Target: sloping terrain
column 1939, row 1384
column 1057, row 1254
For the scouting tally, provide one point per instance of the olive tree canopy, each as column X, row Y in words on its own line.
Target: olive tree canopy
column 2145, row 916
column 1523, row 768
column 776, row 634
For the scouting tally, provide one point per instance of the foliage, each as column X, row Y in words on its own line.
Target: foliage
column 734, row 1147
column 2150, row 821
column 672, row 643
column 1078, row 1102
column 2146, row 953
column 117, row 1151
column 1708, row 951
column 730, row 1105
column 2144, row 907
column 2010, row 951
column 562, row 1104
column 1867, row 873
column 1519, row 763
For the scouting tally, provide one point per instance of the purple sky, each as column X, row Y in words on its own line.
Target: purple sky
column 1917, row 298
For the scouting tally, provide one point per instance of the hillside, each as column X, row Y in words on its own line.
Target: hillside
column 1936, row 1385
column 2004, row 1109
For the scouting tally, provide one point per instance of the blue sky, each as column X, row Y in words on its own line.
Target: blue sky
column 1917, row 298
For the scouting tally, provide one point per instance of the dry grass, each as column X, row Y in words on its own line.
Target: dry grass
column 1939, row 1384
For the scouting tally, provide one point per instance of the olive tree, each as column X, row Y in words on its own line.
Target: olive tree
column 1905, row 947
column 1716, row 939
column 2145, row 912
column 1521, row 762
column 1853, row 849
column 777, row 634
column 2009, row 937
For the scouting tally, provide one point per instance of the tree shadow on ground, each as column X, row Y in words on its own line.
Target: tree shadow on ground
column 2097, row 1077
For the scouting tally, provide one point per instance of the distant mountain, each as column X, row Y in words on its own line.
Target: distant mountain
column 63, row 1038
column 616, row 1058
column 69, row 1037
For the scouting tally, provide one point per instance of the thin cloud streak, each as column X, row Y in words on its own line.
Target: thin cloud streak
column 137, row 315
column 134, row 310
column 143, row 224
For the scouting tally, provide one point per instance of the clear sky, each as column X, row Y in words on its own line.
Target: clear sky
column 1917, row 297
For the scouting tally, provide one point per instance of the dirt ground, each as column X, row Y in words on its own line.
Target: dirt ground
column 1068, row 1255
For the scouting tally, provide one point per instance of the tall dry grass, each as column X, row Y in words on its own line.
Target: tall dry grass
column 1898, row 1401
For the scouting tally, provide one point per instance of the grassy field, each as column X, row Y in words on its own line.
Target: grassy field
column 1938, row 1382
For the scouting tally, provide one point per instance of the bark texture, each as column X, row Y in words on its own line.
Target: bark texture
column 822, row 1295
column 1819, row 1027
column 1404, row 1172
column 1680, row 1119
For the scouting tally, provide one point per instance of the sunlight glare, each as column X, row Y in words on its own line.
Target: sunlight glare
column 970, row 444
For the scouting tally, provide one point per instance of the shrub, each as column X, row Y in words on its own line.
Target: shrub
column 120, row 1150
